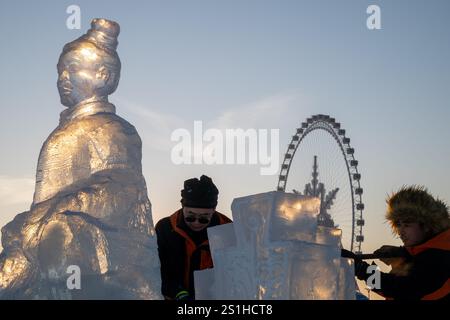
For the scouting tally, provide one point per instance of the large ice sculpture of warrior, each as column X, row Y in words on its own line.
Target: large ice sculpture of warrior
column 90, row 215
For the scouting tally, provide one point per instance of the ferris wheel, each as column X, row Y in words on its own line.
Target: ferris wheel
column 325, row 148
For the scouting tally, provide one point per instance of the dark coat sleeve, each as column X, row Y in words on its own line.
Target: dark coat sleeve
column 171, row 259
column 430, row 270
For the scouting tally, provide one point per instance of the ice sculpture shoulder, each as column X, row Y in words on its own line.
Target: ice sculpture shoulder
column 90, row 206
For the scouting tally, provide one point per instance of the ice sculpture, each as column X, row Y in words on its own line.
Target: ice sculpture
column 274, row 249
column 90, row 213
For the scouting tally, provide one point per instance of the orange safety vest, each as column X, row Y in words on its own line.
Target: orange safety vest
column 441, row 241
column 205, row 255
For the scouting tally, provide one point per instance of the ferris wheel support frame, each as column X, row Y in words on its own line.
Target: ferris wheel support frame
column 329, row 124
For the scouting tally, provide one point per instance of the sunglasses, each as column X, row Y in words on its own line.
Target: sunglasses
column 201, row 220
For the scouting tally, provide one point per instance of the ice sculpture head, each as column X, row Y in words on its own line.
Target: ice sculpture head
column 89, row 67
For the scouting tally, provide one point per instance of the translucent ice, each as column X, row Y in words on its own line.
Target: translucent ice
column 90, row 211
column 275, row 250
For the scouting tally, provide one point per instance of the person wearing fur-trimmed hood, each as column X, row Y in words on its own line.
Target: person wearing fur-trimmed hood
column 422, row 271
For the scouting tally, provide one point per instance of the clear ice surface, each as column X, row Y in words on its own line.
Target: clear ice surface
column 274, row 249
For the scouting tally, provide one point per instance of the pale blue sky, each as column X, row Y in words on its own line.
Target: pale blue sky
column 250, row 64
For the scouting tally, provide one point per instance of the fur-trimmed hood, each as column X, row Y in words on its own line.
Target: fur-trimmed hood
column 415, row 204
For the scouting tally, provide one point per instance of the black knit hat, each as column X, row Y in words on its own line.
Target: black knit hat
column 199, row 193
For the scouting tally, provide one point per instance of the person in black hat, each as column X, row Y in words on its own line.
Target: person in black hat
column 182, row 238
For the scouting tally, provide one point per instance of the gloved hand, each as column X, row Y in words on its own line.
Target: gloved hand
column 390, row 254
column 347, row 254
column 360, row 265
column 183, row 295
column 361, row 269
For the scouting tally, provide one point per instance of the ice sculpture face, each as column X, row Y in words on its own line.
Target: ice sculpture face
column 80, row 75
column 89, row 67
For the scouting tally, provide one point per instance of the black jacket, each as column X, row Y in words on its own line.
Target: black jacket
column 426, row 276
column 181, row 251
